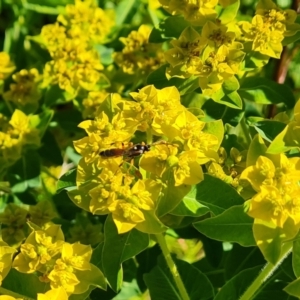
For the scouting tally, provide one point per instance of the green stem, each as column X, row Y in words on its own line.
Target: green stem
column 180, row 286
column 149, row 136
column 245, row 130
column 267, row 271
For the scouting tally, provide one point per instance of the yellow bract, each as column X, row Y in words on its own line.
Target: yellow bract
column 6, row 66
column 139, row 57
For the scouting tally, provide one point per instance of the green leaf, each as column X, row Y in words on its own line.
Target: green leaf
column 229, row 12
column 296, row 257
column 117, row 248
column 235, row 288
column 171, row 195
column 93, row 277
column 43, row 9
column 107, row 106
column 241, row 258
column 217, row 111
column 265, row 91
column 43, row 121
column 217, row 129
column 189, row 206
column 159, row 80
column 256, row 149
column 161, row 284
column 26, row 172
column 55, row 96
column 123, row 10
column 287, row 139
column 293, row 288
column 233, row 225
column 217, row 195
column 31, row 285
column 50, row 151
column 67, row 180
column 228, row 95
column 171, row 27
column 268, row 129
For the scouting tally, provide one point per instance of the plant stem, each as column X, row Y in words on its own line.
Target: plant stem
column 180, row 286
column 245, row 130
column 267, row 271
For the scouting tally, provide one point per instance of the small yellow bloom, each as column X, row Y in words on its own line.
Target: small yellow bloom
column 276, row 205
column 39, row 250
column 54, row 294
column 25, row 93
column 6, row 254
column 6, row 66
column 63, row 278
column 125, row 215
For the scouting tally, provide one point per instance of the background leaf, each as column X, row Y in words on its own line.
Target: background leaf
column 233, row 225
column 117, row 248
column 161, row 285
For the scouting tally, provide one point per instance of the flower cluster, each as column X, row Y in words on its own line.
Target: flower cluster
column 139, row 57
column 268, row 28
column 6, row 66
column 276, row 182
column 15, row 135
column 15, row 217
column 214, row 56
column 219, row 51
column 177, row 146
column 24, row 93
column 229, row 167
column 61, row 264
column 196, row 12
column 75, row 63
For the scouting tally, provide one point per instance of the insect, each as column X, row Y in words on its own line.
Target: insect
column 132, row 152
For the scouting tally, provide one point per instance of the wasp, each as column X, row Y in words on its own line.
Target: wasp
column 132, row 152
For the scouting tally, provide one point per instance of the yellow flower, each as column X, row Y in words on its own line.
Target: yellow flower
column 22, row 129
column 25, row 92
column 139, row 55
column 219, row 66
column 50, row 177
column 6, row 254
column 125, row 215
column 276, row 205
column 105, row 191
column 87, row 20
column 62, row 278
column 73, row 271
column 39, row 250
column 186, row 53
column 10, row 150
column 276, row 182
column 54, row 294
column 6, row 66
column 154, row 107
column 92, row 102
column 159, row 159
column 42, row 213
column 14, row 219
column 276, row 18
column 197, row 12
column 188, row 170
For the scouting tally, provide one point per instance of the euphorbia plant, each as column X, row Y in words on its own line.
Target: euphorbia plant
column 150, row 152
